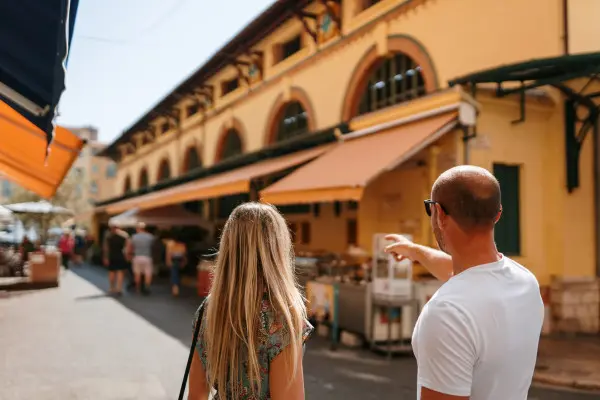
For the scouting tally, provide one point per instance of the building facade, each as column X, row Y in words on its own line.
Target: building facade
column 341, row 113
column 95, row 175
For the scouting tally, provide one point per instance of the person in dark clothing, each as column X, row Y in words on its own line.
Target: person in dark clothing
column 78, row 248
column 176, row 259
column 113, row 250
column 26, row 248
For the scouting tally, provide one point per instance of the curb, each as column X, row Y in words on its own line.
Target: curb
column 581, row 384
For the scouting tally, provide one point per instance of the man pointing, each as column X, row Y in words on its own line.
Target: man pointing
column 477, row 338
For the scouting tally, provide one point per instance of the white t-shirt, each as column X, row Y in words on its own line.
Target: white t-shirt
column 478, row 335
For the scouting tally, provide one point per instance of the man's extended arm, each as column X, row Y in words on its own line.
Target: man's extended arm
column 437, row 262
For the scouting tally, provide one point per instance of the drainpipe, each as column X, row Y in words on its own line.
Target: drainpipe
column 596, row 137
column 565, row 9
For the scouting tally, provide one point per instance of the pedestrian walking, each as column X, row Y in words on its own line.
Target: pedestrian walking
column 113, row 251
column 253, row 324
column 79, row 247
column 66, row 245
column 176, row 259
column 477, row 337
column 140, row 247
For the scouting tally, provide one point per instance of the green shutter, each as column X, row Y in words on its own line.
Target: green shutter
column 508, row 230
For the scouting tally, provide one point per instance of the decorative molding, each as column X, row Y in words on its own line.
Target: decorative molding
column 303, row 16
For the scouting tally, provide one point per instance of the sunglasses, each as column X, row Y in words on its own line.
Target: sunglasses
column 429, row 203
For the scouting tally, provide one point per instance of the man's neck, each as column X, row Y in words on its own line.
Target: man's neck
column 476, row 251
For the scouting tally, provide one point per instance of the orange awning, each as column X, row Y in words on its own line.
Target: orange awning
column 23, row 153
column 226, row 183
column 344, row 171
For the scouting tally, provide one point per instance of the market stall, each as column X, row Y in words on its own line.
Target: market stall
column 375, row 296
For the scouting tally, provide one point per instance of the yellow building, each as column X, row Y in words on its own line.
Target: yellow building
column 95, row 175
column 341, row 113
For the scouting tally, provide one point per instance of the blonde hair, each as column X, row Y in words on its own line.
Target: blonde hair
column 255, row 256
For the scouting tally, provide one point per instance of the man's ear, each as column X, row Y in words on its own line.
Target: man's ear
column 498, row 216
column 440, row 215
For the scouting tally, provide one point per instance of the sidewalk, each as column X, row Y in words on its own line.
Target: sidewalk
column 573, row 362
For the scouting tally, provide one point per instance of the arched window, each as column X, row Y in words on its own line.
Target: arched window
column 127, row 185
column 192, row 159
column 397, row 79
column 293, row 122
column 231, row 145
column 144, row 181
column 164, row 170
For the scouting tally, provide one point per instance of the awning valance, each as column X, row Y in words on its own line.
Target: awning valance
column 227, row 183
column 35, row 36
column 160, row 217
column 23, row 153
column 343, row 172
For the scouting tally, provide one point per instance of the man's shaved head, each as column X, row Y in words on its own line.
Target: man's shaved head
column 469, row 195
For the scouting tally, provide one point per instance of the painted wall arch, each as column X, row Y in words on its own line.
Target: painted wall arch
column 164, row 170
column 372, row 63
column 143, row 179
column 127, row 187
column 290, row 109
column 231, row 142
column 192, row 159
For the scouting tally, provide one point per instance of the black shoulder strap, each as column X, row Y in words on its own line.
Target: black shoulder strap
column 192, row 351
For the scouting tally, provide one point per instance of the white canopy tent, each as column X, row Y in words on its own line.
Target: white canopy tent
column 38, row 207
column 5, row 214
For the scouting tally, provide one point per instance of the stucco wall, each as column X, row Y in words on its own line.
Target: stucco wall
column 457, row 35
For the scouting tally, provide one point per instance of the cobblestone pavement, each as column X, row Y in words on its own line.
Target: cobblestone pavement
column 74, row 342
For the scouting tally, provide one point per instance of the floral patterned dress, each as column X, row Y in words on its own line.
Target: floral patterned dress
column 273, row 338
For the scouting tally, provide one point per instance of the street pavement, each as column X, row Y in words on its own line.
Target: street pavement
column 74, row 342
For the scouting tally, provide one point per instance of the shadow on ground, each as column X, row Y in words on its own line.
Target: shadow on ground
column 172, row 315
column 335, row 375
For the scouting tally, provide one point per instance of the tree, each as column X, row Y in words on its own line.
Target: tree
column 68, row 196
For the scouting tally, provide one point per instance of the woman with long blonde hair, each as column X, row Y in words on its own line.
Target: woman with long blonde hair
column 253, row 323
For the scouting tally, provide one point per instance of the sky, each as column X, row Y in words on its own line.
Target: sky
column 126, row 55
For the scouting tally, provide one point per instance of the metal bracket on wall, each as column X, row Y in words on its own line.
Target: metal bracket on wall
column 303, row 16
column 149, row 133
column 173, row 117
column 574, row 137
column 206, row 90
column 205, row 93
column 239, row 64
column 258, row 60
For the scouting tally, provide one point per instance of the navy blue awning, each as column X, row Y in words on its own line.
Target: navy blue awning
column 35, row 36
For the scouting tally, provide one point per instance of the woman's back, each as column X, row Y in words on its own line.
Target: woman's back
column 273, row 338
column 254, row 325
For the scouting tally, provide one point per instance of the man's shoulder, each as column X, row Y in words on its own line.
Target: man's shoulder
column 446, row 315
column 524, row 270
